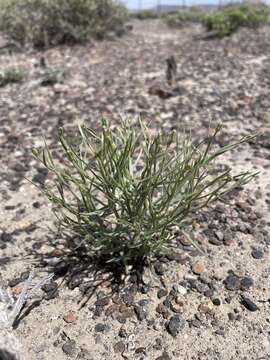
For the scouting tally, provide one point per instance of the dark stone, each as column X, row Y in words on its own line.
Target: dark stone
column 51, row 295
column 216, row 301
column 69, row 347
column 161, row 293
column 143, row 302
column 102, row 328
column 140, row 350
column 14, row 282
column 257, row 253
column 231, row 316
column 175, row 325
column 75, row 281
column 232, row 282
column 51, row 286
column 36, row 205
column 246, row 283
column 6, row 237
column 248, row 304
column 61, row 268
column 145, row 289
column 140, row 312
column 119, row 347
column 159, row 268
column 123, row 332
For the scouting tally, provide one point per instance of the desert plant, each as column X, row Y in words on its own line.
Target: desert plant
column 50, row 22
column 51, row 75
column 184, row 17
column 124, row 190
column 229, row 19
column 11, row 75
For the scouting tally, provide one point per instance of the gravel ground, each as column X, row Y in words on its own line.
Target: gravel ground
column 191, row 306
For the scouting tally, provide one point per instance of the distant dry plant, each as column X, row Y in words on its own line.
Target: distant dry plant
column 51, row 75
column 124, row 190
column 11, row 75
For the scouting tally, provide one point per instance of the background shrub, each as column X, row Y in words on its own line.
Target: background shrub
column 145, row 14
column 123, row 191
column 51, row 22
column 230, row 18
column 11, row 75
column 183, row 17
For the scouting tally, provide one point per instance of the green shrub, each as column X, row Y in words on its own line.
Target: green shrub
column 230, row 18
column 183, row 17
column 11, row 75
column 50, row 22
column 124, row 191
column 145, row 14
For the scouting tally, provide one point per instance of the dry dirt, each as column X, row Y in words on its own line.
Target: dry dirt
column 223, row 81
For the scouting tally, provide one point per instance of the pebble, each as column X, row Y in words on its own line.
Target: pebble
column 140, row 312
column 257, row 253
column 159, row 268
column 175, row 325
column 75, row 281
column 161, row 293
column 246, row 283
column 69, row 347
column 248, row 304
column 119, row 347
column 198, row 268
column 102, row 328
column 216, row 302
column 70, row 317
column 232, row 282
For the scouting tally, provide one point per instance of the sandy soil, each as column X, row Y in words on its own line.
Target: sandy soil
column 223, row 81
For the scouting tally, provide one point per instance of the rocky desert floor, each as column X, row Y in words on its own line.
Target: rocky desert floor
column 213, row 305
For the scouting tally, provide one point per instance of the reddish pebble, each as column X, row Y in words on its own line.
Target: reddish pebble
column 69, row 317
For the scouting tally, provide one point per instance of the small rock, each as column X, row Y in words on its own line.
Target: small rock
column 140, row 312
column 246, row 283
column 75, row 281
column 164, row 356
column 257, row 253
column 198, row 268
column 51, row 286
column 102, row 328
column 69, row 347
column 161, row 293
column 232, row 282
column 175, row 325
column 70, row 317
column 119, row 347
column 249, row 304
column 159, row 268
column 216, row 302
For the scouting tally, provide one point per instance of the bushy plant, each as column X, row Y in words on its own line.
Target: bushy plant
column 123, row 190
column 11, row 75
column 230, row 18
column 50, row 22
column 184, row 17
column 145, row 14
